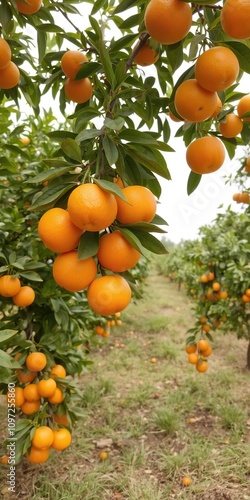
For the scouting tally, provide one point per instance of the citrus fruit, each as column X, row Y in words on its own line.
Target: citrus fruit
column 73, row 274
column 29, row 407
column 205, row 155
column 58, row 371
column 16, row 397
column 36, row 361
column 146, row 56
column 61, row 419
column 116, row 253
column 202, row 366
column 57, row 397
column 36, row 456
column 140, row 205
column 232, row 126
column 108, row 294
column 25, row 376
column 78, row 91
column 91, row 208
column 168, row 21
column 9, row 76
column 25, row 297
column 235, row 19
column 193, row 358
column 46, row 387
column 62, row 439
column 244, row 107
column 57, row 231
column 28, row 7
column 190, row 348
column 217, row 109
column 9, row 285
column 216, row 69
column 193, row 102
column 5, row 53
column 71, row 62
column 43, row 437
column 31, row 393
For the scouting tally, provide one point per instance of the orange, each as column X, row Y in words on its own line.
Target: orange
column 203, row 319
column 216, row 69
column 217, row 322
column 79, row 91
column 235, row 18
column 9, row 76
column 193, row 358
column 202, row 345
column 146, row 56
column 168, row 21
column 186, row 481
column 216, row 286
column 28, row 7
column 247, row 166
column 61, row 419
column 244, row 198
column 223, row 295
column 116, row 253
column 236, row 197
column 25, row 297
column 57, row 397
column 4, row 460
column 207, row 352
column 173, row 117
column 217, row 109
column 244, row 107
column 108, row 294
column 210, row 276
column 204, row 278
column 43, row 437
column 103, row 455
column 31, row 393
column 58, row 371
column 119, row 182
column 36, row 361
column 16, row 397
column 62, row 439
column 73, row 274
column 190, row 348
column 26, row 142
column 105, row 334
column 57, row 231
column 247, row 292
column 72, row 61
column 193, row 102
column 202, row 366
column 141, row 205
column 245, row 298
column 9, row 286
column 205, row 155
column 46, row 387
column 206, row 327
column 232, row 125
column 99, row 330
column 26, row 376
column 30, row 407
column 91, row 208
column 36, row 456
column 119, row 322
column 5, row 54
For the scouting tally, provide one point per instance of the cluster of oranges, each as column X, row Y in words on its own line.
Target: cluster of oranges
column 104, row 331
column 214, row 291
column 198, row 354
column 10, row 286
column 246, row 296
column 93, row 209
column 79, row 91
column 9, row 72
column 28, row 400
column 241, row 198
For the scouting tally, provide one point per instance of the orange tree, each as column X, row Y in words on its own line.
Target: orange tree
column 98, row 172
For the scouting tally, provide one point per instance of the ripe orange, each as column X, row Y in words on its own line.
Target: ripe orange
column 190, row 348
column 193, row 102
column 205, row 155
column 244, row 107
column 30, row 7
column 61, row 419
column 105, row 334
column 243, row 198
column 16, row 395
column 31, row 393
column 216, row 69
column 109, row 294
column 26, row 142
column 91, row 208
column 9, row 286
column 57, row 397
column 9, row 76
column 216, row 286
column 203, row 319
column 62, row 439
column 30, row 407
column 210, row 276
column 58, row 371
column 245, row 298
column 186, row 481
column 116, row 253
column 235, row 18
column 73, row 274
column 141, row 206
column 202, row 366
column 247, row 292
column 46, row 387
column 79, row 91
column 206, row 327
column 207, row 352
column 119, row 182
column 173, row 117
column 36, row 361
column 247, row 166
column 36, row 456
column 5, row 53
column 25, row 376
column 103, row 455
column 202, row 345
column 193, row 358
column 99, row 330
column 168, row 21
column 119, row 322
column 204, row 278
column 72, row 61
column 43, row 437
column 232, row 126
column 146, row 56
column 25, row 297
column 217, row 109
column 223, row 295
column 4, row 459
column 57, row 231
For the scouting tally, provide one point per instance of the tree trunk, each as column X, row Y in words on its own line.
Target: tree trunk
column 248, row 356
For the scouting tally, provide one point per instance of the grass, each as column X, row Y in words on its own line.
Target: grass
column 143, row 410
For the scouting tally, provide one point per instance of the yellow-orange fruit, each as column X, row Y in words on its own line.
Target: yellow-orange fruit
column 193, row 102
column 109, row 294
column 5, row 53
column 232, row 126
column 168, row 21
column 205, row 155
column 216, row 69
column 79, row 91
column 57, row 230
column 116, row 253
column 73, row 274
column 71, row 62
column 235, row 19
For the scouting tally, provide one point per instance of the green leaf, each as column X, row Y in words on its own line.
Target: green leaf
column 7, row 361
column 106, row 63
column 150, row 242
column 144, row 226
column 30, row 275
column 124, row 5
column 88, row 134
column 159, row 221
column 151, row 159
column 6, row 335
column 133, row 240
column 72, row 149
column 50, row 195
column 242, row 53
column 88, row 246
column 111, row 187
column 50, row 28
column 41, row 44
column 115, row 124
column 110, row 149
column 175, row 55
column 50, row 174
column 87, row 69
column 193, row 181
column 5, row 15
